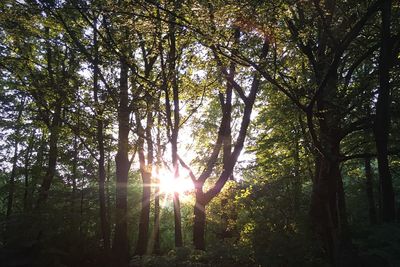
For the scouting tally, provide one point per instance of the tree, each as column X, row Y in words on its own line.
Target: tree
column 382, row 118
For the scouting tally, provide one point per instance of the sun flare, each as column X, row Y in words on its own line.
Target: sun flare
column 169, row 184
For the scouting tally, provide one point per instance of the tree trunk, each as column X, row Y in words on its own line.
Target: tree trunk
column 120, row 246
column 145, row 170
column 54, row 127
column 11, row 182
column 28, row 154
column 328, row 212
column 156, row 231
column 53, row 154
column 382, row 119
column 296, row 176
column 105, row 225
column 104, row 222
column 328, row 207
column 369, row 190
column 108, row 194
column 156, row 247
column 144, row 220
column 199, row 225
column 174, row 136
column 74, row 224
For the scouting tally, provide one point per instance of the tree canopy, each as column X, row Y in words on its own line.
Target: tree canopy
column 199, row 133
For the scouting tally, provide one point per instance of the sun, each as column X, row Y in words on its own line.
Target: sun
column 169, row 185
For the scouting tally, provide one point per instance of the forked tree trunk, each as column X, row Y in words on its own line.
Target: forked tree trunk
column 203, row 198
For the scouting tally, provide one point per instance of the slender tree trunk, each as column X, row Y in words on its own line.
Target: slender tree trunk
column 54, row 128
column 120, row 246
column 296, row 177
column 156, row 247
column 11, row 182
column 104, row 222
column 28, row 154
column 145, row 170
column 142, row 244
column 156, row 238
column 382, row 119
column 369, row 191
column 174, row 127
column 145, row 204
column 74, row 185
column 82, row 196
column 53, row 154
column 38, row 167
column 108, row 195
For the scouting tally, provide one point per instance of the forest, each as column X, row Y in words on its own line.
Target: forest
column 199, row 133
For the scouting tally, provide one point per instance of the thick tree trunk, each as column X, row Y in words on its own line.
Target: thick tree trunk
column 369, row 190
column 323, row 209
column 382, row 119
column 328, row 211
column 120, row 246
column 328, row 207
column 199, row 222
